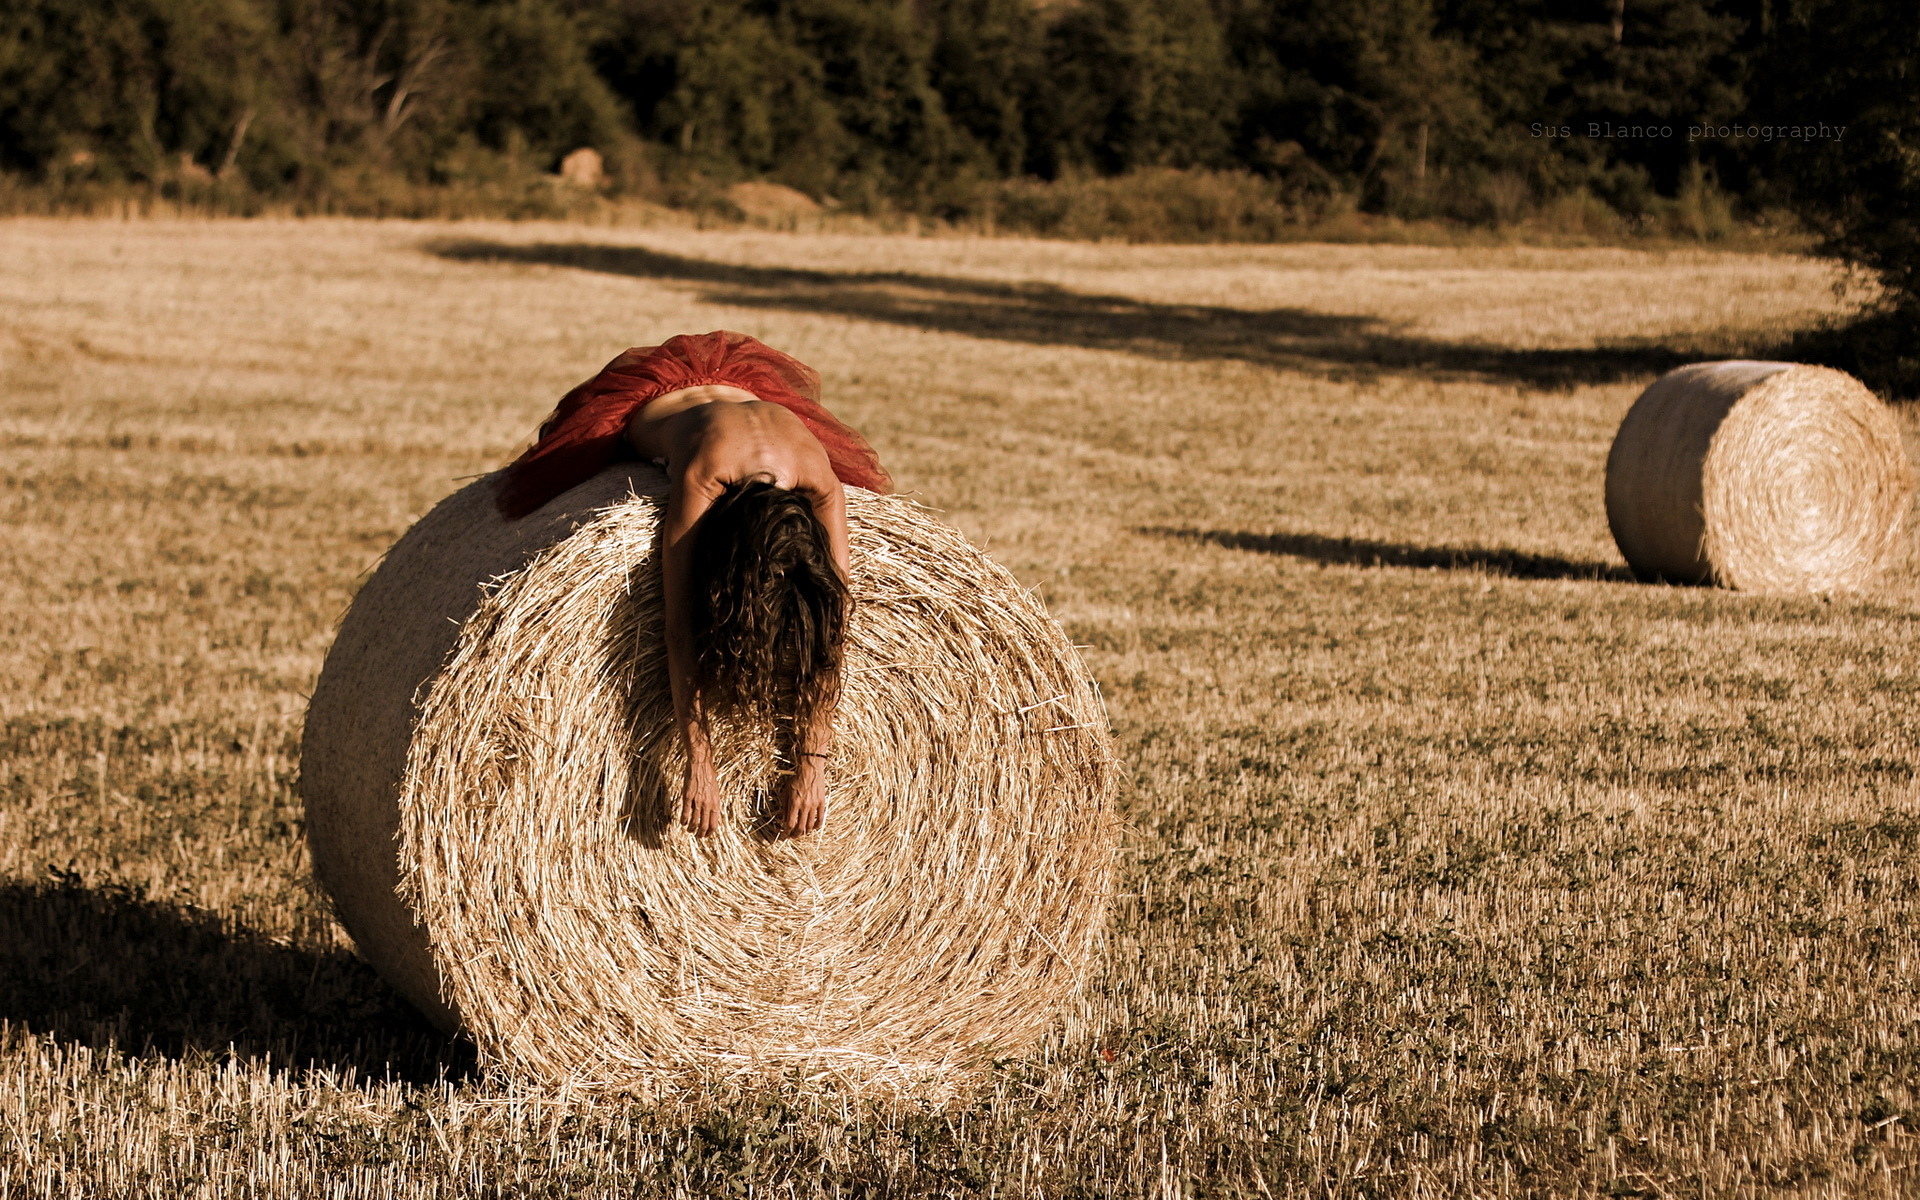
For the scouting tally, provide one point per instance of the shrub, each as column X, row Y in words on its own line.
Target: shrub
column 1159, row 204
column 1856, row 65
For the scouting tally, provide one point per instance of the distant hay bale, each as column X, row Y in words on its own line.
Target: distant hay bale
column 584, row 168
column 772, row 203
column 1762, row 476
column 504, row 848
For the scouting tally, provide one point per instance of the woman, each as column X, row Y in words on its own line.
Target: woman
column 753, row 541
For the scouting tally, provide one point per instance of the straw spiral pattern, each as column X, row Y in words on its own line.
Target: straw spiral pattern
column 1760, row 476
column 947, row 912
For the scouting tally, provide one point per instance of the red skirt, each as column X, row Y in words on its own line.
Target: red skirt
column 587, row 432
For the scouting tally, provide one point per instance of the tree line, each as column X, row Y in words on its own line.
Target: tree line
column 1470, row 110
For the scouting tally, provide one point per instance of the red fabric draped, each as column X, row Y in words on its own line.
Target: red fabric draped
column 587, row 432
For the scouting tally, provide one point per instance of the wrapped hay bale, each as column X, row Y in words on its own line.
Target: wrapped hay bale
column 1762, row 476
column 492, row 774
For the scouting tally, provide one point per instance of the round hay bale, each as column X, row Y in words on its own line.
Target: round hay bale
column 1762, row 476
column 492, row 776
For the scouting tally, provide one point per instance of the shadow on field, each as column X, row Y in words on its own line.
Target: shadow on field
column 1043, row 314
column 1361, row 552
column 105, row 965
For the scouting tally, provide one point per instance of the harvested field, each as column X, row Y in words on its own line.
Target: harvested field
column 1457, row 862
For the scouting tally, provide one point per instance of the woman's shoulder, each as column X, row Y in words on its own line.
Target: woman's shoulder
column 770, row 442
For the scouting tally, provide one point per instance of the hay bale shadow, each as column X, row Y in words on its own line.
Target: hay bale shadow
column 1365, row 552
column 104, row 965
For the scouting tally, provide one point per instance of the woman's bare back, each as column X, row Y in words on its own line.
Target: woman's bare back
column 714, row 435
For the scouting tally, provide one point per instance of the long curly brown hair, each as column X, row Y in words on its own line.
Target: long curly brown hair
column 769, row 609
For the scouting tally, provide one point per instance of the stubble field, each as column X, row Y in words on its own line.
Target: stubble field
column 1458, row 863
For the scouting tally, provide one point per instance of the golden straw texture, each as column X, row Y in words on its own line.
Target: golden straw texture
column 1761, row 476
column 948, row 911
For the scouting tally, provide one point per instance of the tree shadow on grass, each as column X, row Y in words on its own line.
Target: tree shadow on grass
column 1043, row 314
column 1880, row 347
column 1363, row 552
column 104, row 965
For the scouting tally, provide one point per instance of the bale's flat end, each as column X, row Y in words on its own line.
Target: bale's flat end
column 1761, row 476
column 948, row 913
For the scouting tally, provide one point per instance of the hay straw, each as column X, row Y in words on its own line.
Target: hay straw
column 1761, row 476
column 947, row 913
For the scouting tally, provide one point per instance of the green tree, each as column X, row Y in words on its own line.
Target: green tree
column 1605, row 67
column 875, row 58
column 748, row 98
column 832, row 96
column 126, row 89
column 1371, row 89
column 988, row 65
column 531, row 79
column 1854, row 65
column 1847, row 76
column 1138, row 83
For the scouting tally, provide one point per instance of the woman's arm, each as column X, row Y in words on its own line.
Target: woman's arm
column 813, row 746
column 830, row 505
column 686, row 503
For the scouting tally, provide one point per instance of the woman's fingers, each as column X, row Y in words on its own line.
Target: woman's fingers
column 700, row 810
column 806, row 809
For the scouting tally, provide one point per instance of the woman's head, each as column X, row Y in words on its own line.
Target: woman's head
column 769, row 609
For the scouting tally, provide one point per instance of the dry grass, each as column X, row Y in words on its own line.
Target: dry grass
column 1458, row 864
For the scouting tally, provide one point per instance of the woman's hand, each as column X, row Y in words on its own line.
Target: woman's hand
column 700, row 811
column 806, row 796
